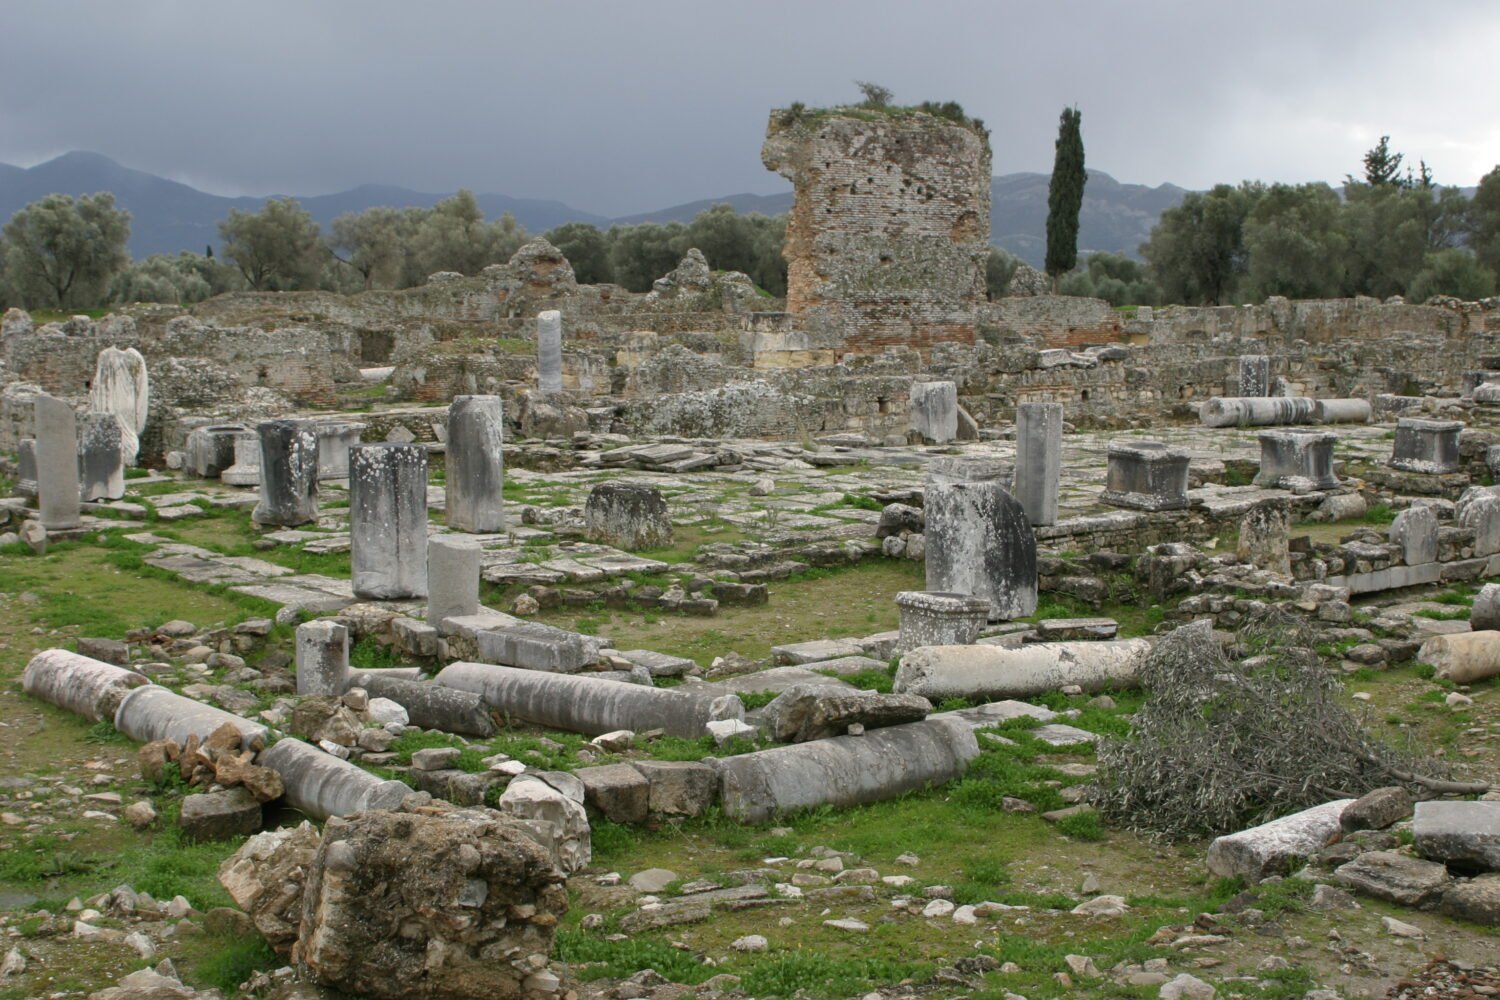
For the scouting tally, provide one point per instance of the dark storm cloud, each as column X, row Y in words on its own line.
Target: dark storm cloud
column 624, row 107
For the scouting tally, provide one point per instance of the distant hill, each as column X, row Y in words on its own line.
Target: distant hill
column 167, row 216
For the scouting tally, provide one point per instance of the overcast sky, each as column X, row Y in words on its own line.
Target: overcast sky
column 633, row 105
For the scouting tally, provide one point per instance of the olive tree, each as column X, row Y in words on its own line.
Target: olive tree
column 63, row 252
column 279, row 248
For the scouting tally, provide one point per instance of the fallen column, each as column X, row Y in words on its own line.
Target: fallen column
column 590, row 705
column 1463, row 657
column 938, row 672
column 1342, row 411
column 320, row 785
column 84, row 686
column 844, row 770
column 1271, row 848
column 431, row 706
column 153, row 712
column 1255, row 411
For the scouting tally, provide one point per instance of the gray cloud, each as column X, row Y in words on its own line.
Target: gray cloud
column 624, row 107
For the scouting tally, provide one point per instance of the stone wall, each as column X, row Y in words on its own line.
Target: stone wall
column 889, row 230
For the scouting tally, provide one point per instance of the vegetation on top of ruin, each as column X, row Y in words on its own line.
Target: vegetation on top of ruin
column 877, row 105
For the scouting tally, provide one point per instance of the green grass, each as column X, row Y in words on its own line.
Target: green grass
column 226, row 962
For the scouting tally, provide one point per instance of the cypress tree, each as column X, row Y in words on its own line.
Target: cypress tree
column 1065, row 196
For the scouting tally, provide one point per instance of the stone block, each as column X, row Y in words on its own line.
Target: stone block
column 618, row 792
column 219, row 815
column 679, row 788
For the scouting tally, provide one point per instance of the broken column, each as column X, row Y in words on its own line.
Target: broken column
column 430, row 706
column 1274, row 848
column 322, row 657
column 579, row 703
column 26, row 468
column 978, row 541
column 152, row 712
column 628, row 516
column 210, row 450
column 320, row 785
column 245, row 471
column 939, row 672
column 1264, row 540
column 452, row 578
column 1039, row 428
column 1255, row 411
column 288, row 474
column 1429, row 446
column 388, row 520
column 934, row 411
column 84, row 686
column 845, row 770
column 929, row 619
column 1146, row 475
column 101, row 457
column 549, row 351
column 120, row 387
column 475, row 460
column 1299, row 459
column 1252, row 376
column 56, row 463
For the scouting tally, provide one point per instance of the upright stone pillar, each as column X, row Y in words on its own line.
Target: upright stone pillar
column 1426, row 445
column 934, row 411
column 1039, row 459
column 26, row 468
column 1146, row 475
column 288, row 474
column 978, row 540
column 1263, row 540
column 1252, row 376
column 549, row 351
column 1415, row 529
column 452, row 578
column 322, row 657
column 476, row 464
column 56, row 463
column 388, row 520
column 101, row 457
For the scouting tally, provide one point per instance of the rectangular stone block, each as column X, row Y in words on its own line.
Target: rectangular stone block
column 533, row 646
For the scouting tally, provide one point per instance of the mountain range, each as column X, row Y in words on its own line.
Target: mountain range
column 168, row 216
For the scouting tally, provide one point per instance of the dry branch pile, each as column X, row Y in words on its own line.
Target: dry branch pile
column 1229, row 739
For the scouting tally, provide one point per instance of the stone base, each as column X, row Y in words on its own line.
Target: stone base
column 1427, row 484
column 1142, row 501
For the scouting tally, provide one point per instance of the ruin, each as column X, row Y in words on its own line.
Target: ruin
column 495, row 558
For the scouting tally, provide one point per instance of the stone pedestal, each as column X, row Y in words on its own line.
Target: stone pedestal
column 288, row 474
column 1146, row 475
column 26, row 468
column 475, row 474
column 452, row 578
column 210, row 450
column 388, row 520
column 1429, row 446
column 628, row 516
column 101, row 457
column 1039, row 429
column 549, row 352
column 57, row 463
column 1297, row 460
column 978, row 541
column 1415, row 529
column 1251, row 376
column 245, row 471
column 322, row 658
column 934, row 411
column 335, row 438
column 929, row 619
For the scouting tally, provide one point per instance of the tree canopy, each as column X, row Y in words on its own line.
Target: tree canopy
column 1065, row 195
column 63, row 252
